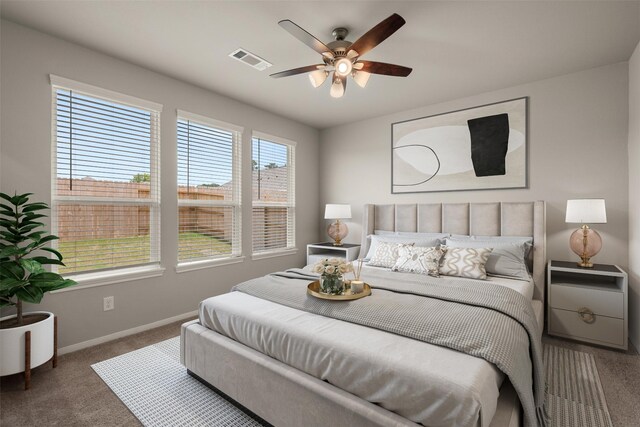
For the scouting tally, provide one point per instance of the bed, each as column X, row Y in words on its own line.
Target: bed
column 233, row 345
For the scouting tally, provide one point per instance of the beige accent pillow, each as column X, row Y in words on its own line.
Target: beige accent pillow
column 419, row 259
column 465, row 262
column 386, row 254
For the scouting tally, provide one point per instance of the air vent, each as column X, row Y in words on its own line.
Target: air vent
column 250, row 59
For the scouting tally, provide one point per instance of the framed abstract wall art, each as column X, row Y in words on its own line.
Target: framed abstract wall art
column 478, row 148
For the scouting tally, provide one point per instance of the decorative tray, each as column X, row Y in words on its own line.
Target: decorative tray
column 313, row 289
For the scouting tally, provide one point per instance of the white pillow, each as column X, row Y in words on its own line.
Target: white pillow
column 418, row 259
column 465, row 262
column 412, row 234
column 386, row 254
column 522, row 240
column 418, row 241
column 506, row 259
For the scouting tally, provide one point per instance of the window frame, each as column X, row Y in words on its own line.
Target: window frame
column 291, row 247
column 91, row 278
column 236, row 256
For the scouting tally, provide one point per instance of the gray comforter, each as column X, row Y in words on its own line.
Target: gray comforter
column 477, row 318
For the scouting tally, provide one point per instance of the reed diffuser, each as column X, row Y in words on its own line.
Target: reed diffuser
column 357, row 285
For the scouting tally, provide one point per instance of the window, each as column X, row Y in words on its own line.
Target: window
column 273, row 216
column 105, row 180
column 209, row 209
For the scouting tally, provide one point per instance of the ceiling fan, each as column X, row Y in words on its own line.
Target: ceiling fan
column 342, row 57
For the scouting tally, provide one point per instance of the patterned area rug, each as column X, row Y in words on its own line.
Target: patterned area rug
column 156, row 388
column 575, row 395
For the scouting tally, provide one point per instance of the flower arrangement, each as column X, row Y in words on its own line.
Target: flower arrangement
column 331, row 271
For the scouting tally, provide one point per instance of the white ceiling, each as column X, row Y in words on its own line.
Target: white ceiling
column 455, row 48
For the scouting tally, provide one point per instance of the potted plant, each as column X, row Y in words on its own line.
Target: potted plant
column 26, row 339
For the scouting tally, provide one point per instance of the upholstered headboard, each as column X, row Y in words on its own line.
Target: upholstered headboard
column 479, row 219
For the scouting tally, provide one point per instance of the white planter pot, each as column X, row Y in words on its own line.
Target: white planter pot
column 12, row 344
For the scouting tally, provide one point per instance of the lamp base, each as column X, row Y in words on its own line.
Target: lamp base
column 337, row 231
column 585, row 263
column 586, row 243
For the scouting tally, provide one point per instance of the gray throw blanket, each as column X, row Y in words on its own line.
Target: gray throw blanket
column 478, row 318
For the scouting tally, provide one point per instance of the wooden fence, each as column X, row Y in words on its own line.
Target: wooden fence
column 108, row 221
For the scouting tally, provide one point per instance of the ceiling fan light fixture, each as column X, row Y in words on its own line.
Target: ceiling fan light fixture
column 318, row 77
column 337, row 89
column 343, row 67
column 361, row 78
column 328, row 55
column 352, row 54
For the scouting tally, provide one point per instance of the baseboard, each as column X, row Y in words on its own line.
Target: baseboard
column 125, row 333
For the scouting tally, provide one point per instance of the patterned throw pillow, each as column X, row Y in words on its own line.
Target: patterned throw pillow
column 465, row 262
column 408, row 239
column 418, row 259
column 506, row 259
column 386, row 254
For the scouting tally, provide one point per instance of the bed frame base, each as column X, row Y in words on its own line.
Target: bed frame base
column 236, row 404
column 286, row 397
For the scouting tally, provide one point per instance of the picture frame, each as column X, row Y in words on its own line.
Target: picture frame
column 478, row 148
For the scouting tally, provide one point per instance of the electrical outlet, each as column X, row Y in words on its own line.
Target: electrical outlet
column 107, row 303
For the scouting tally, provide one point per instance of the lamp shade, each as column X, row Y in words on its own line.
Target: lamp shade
column 333, row 211
column 337, row 88
column 586, row 211
column 318, row 77
column 361, row 78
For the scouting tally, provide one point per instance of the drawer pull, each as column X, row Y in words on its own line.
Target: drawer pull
column 586, row 315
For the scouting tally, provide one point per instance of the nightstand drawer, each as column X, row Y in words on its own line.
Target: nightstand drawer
column 604, row 329
column 602, row 302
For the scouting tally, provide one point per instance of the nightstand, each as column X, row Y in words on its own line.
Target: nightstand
column 588, row 304
column 318, row 251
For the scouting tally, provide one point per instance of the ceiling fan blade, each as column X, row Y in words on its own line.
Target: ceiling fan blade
column 384, row 68
column 338, row 86
column 377, row 34
column 295, row 71
column 301, row 34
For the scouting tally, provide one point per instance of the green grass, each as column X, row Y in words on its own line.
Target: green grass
column 196, row 245
column 95, row 254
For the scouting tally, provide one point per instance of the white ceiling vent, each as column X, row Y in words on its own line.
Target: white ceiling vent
column 250, row 59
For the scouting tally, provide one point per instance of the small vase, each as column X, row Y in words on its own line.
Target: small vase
column 331, row 284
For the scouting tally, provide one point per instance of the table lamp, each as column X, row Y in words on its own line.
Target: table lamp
column 586, row 242
column 337, row 230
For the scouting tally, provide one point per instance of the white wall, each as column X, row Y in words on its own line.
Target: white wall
column 577, row 148
column 634, row 197
column 27, row 59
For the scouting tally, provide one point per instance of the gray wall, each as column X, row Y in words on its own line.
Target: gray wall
column 27, row 58
column 577, row 148
column 634, row 197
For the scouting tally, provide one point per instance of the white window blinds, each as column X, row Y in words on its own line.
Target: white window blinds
column 273, row 186
column 209, row 209
column 106, row 190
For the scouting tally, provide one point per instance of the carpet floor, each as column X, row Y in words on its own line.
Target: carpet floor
column 74, row 395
